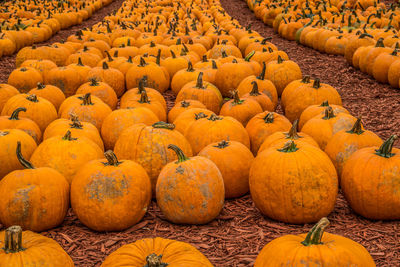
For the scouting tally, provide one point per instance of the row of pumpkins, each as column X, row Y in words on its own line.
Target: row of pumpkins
column 61, row 111
column 366, row 34
column 25, row 22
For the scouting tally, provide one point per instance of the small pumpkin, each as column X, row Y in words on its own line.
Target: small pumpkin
column 182, row 106
column 49, row 92
column 183, row 77
column 100, row 89
column 6, row 92
column 113, row 77
column 25, row 78
column 184, row 120
column 262, row 99
column 144, row 102
column 65, row 78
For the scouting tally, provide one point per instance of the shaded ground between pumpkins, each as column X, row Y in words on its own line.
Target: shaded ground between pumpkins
column 236, row 237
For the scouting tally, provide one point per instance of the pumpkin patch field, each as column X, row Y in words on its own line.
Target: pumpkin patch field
column 199, row 133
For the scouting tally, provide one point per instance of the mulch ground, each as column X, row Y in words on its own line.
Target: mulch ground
column 239, row 233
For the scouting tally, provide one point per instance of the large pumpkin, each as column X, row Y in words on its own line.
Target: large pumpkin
column 26, row 248
column 110, row 195
column 293, row 184
column 370, row 181
column 157, row 252
column 316, row 248
column 190, row 190
column 35, row 198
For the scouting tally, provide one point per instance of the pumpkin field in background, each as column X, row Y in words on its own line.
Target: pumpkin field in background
column 89, row 124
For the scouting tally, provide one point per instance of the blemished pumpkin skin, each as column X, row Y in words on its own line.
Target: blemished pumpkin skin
column 147, row 145
column 262, row 99
column 202, row 91
column 81, row 70
column 184, row 120
column 345, row 142
column 155, row 252
column 101, row 90
column 32, row 200
column 317, row 248
column 293, row 184
column 65, row 78
column 144, row 102
column 26, row 248
column 241, row 109
column 323, row 127
column 282, row 72
column 233, row 160
column 25, row 78
column 6, row 92
column 110, row 195
column 66, row 154
column 38, row 109
column 369, row 181
column 183, row 77
column 297, row 98
column 77, row 128
column 207, row 130
column 278, row 139
column 8, row 143
column 182, row 106
column 113, row 77
column 314, row 110
column 49, row 92
column 190, row 190
column 41, row 65
column 24, row 124
column 119, row 120
column 86, row 107
column 263, row 125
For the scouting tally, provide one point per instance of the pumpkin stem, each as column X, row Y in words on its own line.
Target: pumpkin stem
column 76, row 124
column 269, row 118
column 32, row 98
column 144, row 98
column 262, row 74
column 236, row 98
column 222, row 144
column 386, row 148
column 280, row 59
column 317, row 83
column 86, row 99
column 306, row 79
column 289, row 147
column 179, row 153
column 142, row 62
column 214, row 64
column 200, row 115
column 142, row 84
column 357, row 127
column 292, row 134
column 185, row 104
column 93, row 81
column 314, row 236
column 153, row 260
column 204, row 59
column 158, row 58
column 112, row 159
column 329, row 114
column 21, row 159
column 249, row 56
column 68, row 136
column 325, row 104
column 190, row 67
column 40, row 86
column 254, row 91
column 79, row 62
column 214, row 117
column 105, row 66
column 164, row 125
column 14, row 115
column 199, row 83
column 13, row 240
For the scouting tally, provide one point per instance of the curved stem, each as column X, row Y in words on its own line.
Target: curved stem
column 86, row 99
column 21, row 159
column 144, row 98
column 357, row 127
column 112, row 159
column 13, row 240
column 314, row 236
column 386, row 148
column 199, row 83
column 250, row 55
column 289, row 147
column 269, row 118
column 254, row 91
column 179, row 153
column 164, row 125
column 292, row 134
column 14, row 115
column 153, row 260
column 262, row 74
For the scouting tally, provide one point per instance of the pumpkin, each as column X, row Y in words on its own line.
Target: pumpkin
column 6, row 92
column 51, row 93
column 262, row 99
column 394, row 74
column 190, row 190
column 315, row 248
column 38, row 109
column 88, row 108
column 110, row 195
column 205, row 131
column 8, row 143
column 233, row 160
column 65, row 154
column 202, row 91
column 354, row 43
column 25, row 78
column 31, row 199
column 382, row 63
column 183, row 77
column 369, row 181
column 24, row 124
column 157, row 252
column 113, row 77
column 119, row 120
column 293, row 184
column 282, row 72
column 323, row 127
column 147, row 145
column 81, row 70
column 144, row 102
column 174, row 64
column 263, row 125
column 41, row 65
column 184, row 120
column 182, row 106
column 65, row 78
column 30, row 248
column 241, row 109
column 100, row 89
column 345, row 142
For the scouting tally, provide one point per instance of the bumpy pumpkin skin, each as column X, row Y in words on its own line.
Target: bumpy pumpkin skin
column 147, row 146
column 370, row 183
column 25, row 78
column 298, row 186
column 281, row 73
column 234, row 160
column 190, row 191
column 6, row 92
column 35, row 199
column 174, row 253
column 39, row 251
column 110, row 196
column 49, row 92
column 182, row 106
column 230, row 75
column 184, row 120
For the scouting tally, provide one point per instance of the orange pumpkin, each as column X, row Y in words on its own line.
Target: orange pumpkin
column 182, row 106
column 184, row 120
column 183, row 77
column 49, row 92
column 113, row 77
column 6, row 92
column 25, row 78
column 100, row 89
column 144, row 102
